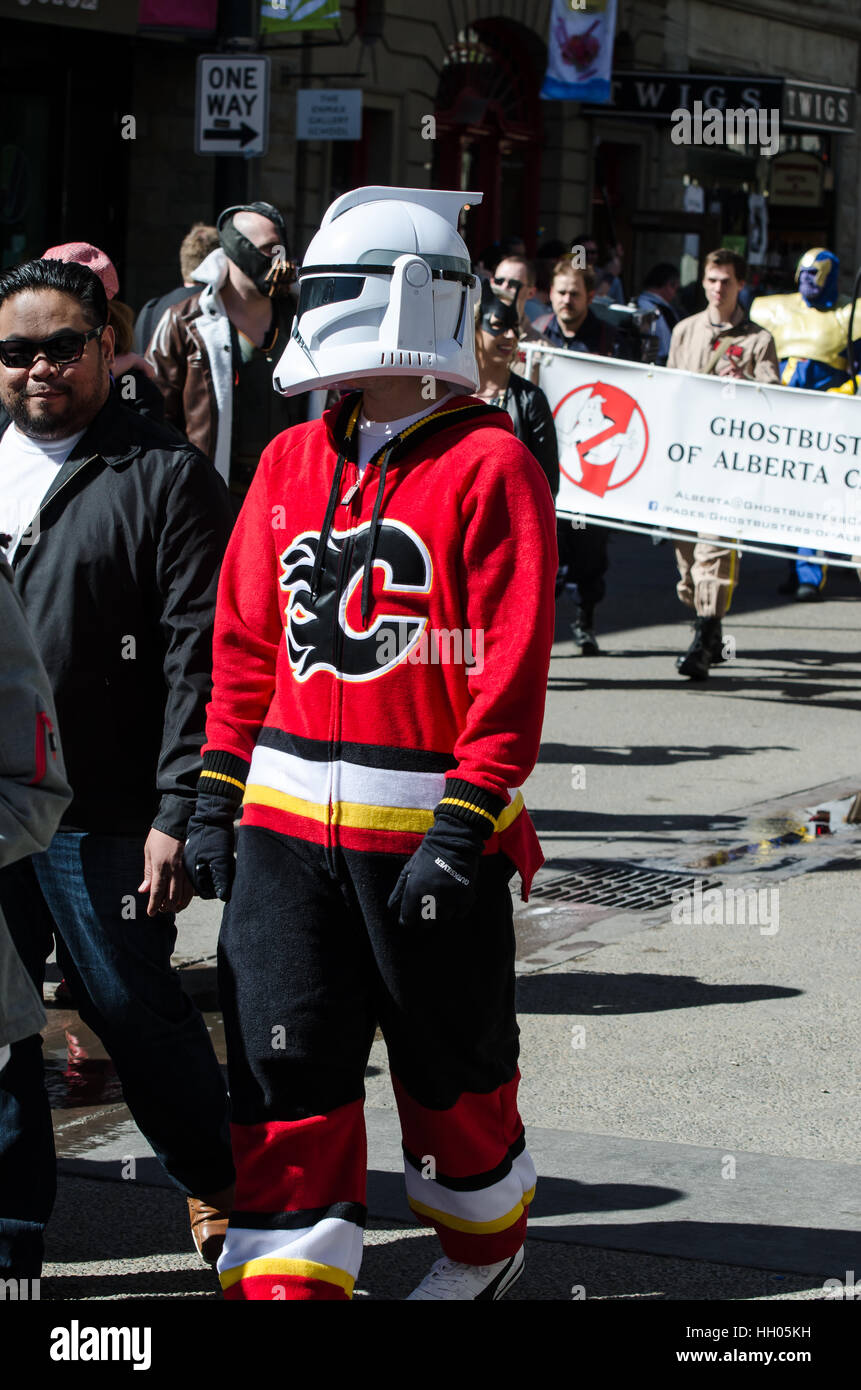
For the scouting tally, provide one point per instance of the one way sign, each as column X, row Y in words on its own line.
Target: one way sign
column 232, row 111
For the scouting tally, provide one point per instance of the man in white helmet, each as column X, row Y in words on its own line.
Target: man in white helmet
column 381, row 651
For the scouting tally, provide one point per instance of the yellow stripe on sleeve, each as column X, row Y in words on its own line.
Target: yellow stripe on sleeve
column 468, row 805
column 222, row 777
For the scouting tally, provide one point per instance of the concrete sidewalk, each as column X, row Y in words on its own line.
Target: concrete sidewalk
column 690, row 1091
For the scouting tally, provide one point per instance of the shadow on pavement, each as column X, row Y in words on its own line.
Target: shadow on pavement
column 590, row 992
column 651, row 755
column 97, row 1227
column 591, row 823
column 821, row 1252
column 756, row 686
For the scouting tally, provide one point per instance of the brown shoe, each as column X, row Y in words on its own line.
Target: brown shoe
column 208, row 1226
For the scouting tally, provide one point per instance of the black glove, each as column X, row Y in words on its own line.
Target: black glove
column 438, row 884
column 209, row 844
column 209, row 839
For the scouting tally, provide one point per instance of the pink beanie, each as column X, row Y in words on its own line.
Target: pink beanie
column 90, row 256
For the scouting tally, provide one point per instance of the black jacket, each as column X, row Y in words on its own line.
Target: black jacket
column 119, row 588
column 533, row 425
column 593, row 335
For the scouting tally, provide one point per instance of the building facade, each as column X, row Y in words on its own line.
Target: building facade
column 450, row 95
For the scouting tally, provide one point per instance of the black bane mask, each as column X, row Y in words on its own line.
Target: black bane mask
column 497, row 316
column 269, row 273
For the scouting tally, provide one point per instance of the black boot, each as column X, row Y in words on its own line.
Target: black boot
column 697, row 659
column 715, row 646
column 582, row 632
column 790, row 583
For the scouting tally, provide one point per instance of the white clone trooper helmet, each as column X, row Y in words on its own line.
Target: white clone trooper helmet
column 385, row 289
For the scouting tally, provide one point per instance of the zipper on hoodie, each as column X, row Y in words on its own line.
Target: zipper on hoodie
column 353, row 496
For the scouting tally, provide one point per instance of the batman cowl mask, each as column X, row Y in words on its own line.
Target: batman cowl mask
column 270, row 274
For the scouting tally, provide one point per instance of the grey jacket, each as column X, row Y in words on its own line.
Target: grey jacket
column 33, row 790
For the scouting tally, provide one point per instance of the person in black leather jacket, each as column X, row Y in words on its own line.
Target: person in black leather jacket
column 116, row 528
column 495, row 348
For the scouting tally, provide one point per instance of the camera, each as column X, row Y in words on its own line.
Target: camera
column 636, row 340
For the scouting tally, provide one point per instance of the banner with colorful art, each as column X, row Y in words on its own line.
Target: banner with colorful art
column 580, row 50
column 285, row 16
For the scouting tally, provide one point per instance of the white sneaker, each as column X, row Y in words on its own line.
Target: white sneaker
column 448, row 1279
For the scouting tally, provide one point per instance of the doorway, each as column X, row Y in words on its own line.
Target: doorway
column 489, row 129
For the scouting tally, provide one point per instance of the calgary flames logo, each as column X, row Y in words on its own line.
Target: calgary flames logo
column 602, row 434
column 327, row 636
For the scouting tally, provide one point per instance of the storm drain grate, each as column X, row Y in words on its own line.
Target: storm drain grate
column 606, row 884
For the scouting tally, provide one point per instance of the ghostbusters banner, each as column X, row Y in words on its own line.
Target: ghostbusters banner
column 580, row 50
column 675, row 451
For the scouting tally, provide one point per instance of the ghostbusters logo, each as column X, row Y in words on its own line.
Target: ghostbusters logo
column 602, row 434
column 328, row 636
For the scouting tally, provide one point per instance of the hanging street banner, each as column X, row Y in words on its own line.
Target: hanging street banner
column 677, row 451
column 287, row 16
column 580, row 50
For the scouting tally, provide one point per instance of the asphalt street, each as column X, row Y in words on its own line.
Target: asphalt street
column 690, row 1087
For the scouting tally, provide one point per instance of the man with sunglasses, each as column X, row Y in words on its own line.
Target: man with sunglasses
column 117, row 529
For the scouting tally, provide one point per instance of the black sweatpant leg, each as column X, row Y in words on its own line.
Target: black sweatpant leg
column 584, row 552
column 308, row 962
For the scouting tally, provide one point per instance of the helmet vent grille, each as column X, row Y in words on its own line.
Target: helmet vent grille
column 400, row 359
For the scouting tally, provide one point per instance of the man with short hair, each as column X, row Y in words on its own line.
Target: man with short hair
column 194, row 248
column 660, row 288
column 116, row 529
column 572, row 324
column 214, row 354
column 582, row 553
column 720, row 341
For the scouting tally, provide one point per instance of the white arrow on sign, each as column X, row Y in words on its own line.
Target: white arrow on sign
column 232, row 105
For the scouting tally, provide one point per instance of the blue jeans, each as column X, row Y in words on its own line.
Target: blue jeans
column 116, row 962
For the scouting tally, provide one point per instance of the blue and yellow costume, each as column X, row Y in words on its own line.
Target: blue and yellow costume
column 811, row 331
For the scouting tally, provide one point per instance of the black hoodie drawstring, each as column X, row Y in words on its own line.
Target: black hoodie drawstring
column 317, row 570
column 368, row 575
column 320, row 557
column 422, row 429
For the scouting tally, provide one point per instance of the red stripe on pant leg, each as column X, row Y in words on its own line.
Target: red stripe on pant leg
column 287, row 1165
column 275, row 1288
column 472, row 1137
column 477, row 1249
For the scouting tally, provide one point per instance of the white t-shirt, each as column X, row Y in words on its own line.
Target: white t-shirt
column 28, row 467
column 374, row 433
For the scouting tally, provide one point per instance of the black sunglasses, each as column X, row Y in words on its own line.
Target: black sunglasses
column 62, row 349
